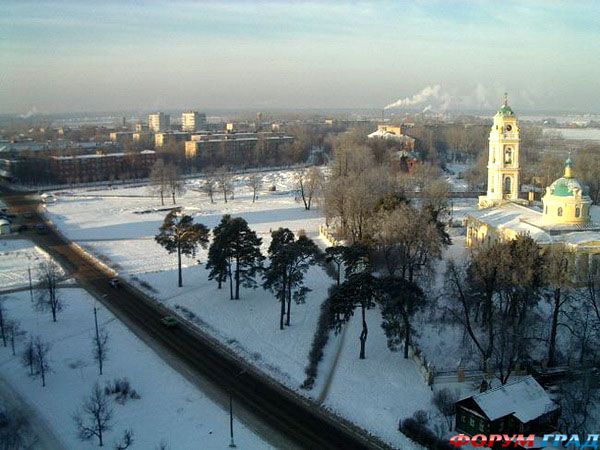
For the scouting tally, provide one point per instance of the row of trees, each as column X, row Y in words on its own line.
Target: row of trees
column 235, row 256
column 498, row 296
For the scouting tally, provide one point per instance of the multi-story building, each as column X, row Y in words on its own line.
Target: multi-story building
column 121, row 136
column 192, row 121
column 206, row 143
column 101, row 167
column 161, row 139
column 159, row 122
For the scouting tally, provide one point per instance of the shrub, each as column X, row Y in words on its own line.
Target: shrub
column 318, row 344
column 122, row 390
column 419, row 433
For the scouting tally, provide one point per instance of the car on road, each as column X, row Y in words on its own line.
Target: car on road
column 28, row 215
column 169, row 321
column 114, row 282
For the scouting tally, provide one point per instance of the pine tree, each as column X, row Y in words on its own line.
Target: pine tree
column 359, row 290
column 235, row 253
column 289, row 261
column 180, row 234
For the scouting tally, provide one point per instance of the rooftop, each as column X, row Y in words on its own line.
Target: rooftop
column 524, row 398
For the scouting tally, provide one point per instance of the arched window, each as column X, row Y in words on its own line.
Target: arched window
column 560, row 211
column 507, row 185
column 578, row 212
column 508, row 155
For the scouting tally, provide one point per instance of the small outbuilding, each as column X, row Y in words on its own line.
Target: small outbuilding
column 522, row 406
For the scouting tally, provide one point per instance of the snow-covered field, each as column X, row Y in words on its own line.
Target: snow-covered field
column 170, row 410
column 16, row 258
column 118, row 226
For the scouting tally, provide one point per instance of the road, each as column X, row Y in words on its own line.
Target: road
column 286, row 419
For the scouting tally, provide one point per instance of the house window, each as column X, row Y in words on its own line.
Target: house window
column 577, row 212
column 560, row 212
column 546, row 210
column 471, row 421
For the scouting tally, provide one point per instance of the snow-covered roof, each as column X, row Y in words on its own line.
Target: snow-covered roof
column 525, row 220
column 389, row 135
column 4, row 222
column 525, row 399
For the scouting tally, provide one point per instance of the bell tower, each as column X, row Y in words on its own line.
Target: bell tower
column 503, row 159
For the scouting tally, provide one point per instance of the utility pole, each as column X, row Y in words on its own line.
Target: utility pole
column 30, row 284
column 97, row 334
column 231, row 443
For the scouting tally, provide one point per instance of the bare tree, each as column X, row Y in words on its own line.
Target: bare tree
column 309, row 183
column 558, row 273
column 579, row 401
column 159, row 180
column 175, row 182
column 13, row 331
column 254, row 182
column 15, row 430
column 94, row 417
column 28, row 357
column 445, row 401
column 49, row 274
column 225, row 183
column 40, row 358
column 209, row 187
column 100, row 347
column 126, row 441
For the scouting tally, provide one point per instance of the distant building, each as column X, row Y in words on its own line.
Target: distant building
column 192, row 121
column 141, row 127
column 520, row 407
column 159, row 122
column 206, row 143
column 121, row 136
column 161, row 139
column 99, row 167
column 396, row 133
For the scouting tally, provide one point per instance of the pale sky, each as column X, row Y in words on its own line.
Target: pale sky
column 149, row 55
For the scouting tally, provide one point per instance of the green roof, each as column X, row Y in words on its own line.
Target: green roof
column 562, row 188
column 506, row 110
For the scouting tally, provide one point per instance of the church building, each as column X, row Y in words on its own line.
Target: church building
column 566, row 214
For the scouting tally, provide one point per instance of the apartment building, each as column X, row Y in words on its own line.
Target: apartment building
column 192, row 121
column 159, row 122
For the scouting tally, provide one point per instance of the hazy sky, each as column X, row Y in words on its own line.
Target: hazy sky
column 99, row 56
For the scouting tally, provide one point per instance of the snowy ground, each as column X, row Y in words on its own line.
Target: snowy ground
column 16, row 257
column 118, row 226
column 170, row 409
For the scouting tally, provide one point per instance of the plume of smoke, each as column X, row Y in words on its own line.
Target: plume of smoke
column 32, row 112
column 430, row 92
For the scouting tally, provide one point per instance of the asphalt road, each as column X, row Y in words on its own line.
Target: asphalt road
column 298, row 421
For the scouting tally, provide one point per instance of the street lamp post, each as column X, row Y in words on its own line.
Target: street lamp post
column 231, row 442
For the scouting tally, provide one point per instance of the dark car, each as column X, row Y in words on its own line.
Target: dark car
column 170, row 321
column 115, row 283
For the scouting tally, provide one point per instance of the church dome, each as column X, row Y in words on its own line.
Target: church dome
column 506, row 110
column 566, row 186
column 564, row 202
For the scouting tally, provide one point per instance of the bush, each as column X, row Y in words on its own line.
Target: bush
column 122, row 390
column 419, row 433
column 318, row 344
